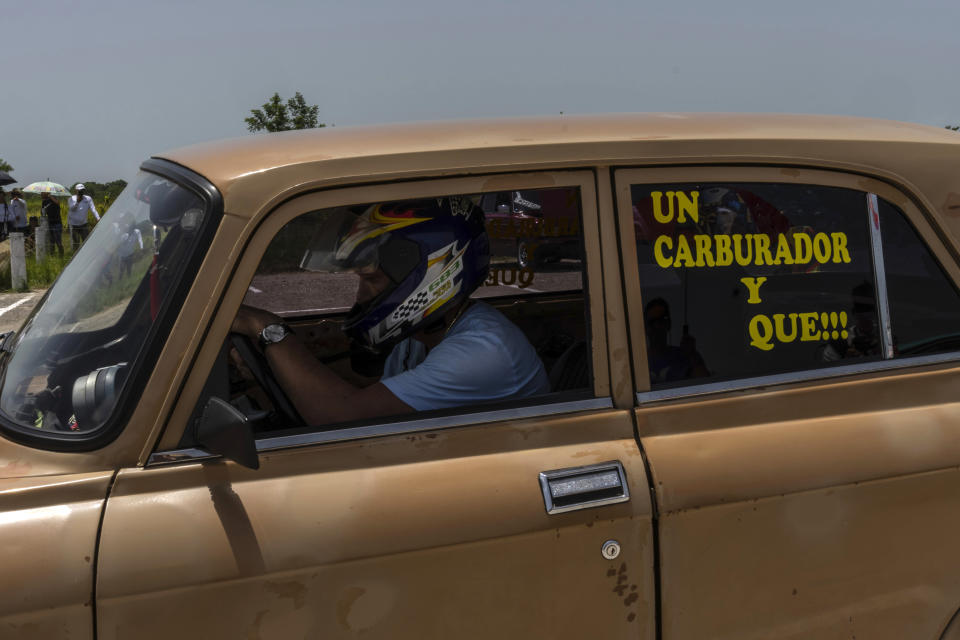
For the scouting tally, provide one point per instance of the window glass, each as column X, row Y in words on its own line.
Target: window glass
column 381, row 293
column 71, row 360
column 536, row 246
column 742, row 280
column 924, row 303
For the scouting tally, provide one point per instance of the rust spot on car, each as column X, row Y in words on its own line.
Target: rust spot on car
column 431, row 436
column 631, row 617
column 292, row 590
column 86, row 558
column 794, row 591
column 630, row 599
column 611, row 572
column 622, row 580
column 359, row 609
column 589, row 524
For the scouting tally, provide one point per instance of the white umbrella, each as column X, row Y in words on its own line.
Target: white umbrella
column 45, row 186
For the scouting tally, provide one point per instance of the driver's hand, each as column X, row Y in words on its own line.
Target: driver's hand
column 250, row 321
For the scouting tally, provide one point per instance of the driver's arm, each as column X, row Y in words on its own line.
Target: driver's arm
column 319, row 394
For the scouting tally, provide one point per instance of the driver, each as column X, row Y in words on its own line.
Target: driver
column 418, row 262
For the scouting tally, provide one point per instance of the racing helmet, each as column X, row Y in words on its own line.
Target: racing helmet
column 435, row 253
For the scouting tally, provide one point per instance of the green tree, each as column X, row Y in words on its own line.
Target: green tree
column 953, row 128
column 5, row 166
column 277, row 115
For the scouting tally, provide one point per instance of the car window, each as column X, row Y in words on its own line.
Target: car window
column 924, row 303
column 750, row 279
column 522, row 337
column 536, row 247
column 72, row 361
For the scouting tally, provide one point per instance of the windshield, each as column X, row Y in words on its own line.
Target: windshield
column 71, row 359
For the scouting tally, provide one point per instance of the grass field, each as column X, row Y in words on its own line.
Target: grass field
column 42, row 274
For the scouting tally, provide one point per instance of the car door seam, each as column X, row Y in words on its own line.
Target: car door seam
column 95, row 570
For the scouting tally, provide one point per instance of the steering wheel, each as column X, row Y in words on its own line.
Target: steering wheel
column 260, row 369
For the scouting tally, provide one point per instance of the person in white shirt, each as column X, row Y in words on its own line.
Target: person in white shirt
column 77, row 210
column 17, row 212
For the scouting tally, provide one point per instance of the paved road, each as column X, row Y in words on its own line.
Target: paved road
column 15, row 307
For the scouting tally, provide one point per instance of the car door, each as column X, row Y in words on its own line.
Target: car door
column 402, row 528
column 48, row 531
column 798, row 408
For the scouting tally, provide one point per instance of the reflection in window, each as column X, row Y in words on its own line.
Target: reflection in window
column 73, row 356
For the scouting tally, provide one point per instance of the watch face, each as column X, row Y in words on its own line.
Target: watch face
column 274, row 333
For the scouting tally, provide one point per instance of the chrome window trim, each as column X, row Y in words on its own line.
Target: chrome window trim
column 393, row 428
column 880, row 275
column 797, row 376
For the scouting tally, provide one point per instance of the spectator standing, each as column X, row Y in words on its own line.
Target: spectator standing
column 4, row 214
column 77, row 210
column 51, row 209
column 17, row 212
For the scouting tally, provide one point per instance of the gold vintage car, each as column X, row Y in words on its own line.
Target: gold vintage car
column 748, row 429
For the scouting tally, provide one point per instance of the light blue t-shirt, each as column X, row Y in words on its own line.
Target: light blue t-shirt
column 484, row 357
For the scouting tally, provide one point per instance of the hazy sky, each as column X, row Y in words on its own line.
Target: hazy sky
column 93, row 88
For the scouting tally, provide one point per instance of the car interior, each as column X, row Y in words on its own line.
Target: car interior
column 555, row 321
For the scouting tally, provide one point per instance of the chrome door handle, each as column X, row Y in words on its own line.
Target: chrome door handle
column 574, row 488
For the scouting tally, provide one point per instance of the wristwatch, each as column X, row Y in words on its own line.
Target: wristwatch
column 274, row 333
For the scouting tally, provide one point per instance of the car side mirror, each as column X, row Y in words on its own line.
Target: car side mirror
column 224, row 430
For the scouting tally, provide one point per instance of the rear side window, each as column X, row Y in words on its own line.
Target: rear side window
column 751, row 279
column 924, row 303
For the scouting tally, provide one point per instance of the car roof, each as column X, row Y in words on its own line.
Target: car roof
column 257, row 171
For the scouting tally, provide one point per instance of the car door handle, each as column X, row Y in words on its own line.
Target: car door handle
column 574, row 488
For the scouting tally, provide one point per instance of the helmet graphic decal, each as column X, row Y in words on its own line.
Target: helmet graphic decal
column 377, row 223
column 440, row 288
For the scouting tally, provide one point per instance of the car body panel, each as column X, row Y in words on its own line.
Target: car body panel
column 48, row 533
column 837, row 496
column 254, row 173
column 440, row 534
